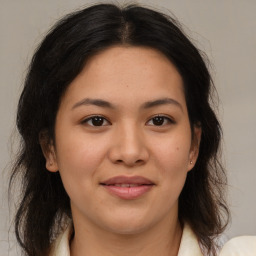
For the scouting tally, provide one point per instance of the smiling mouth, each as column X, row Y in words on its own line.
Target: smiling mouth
column 128, row 187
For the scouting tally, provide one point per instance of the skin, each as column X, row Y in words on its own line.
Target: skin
column 127, row 143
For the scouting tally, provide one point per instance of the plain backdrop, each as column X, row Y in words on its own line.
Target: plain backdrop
column 225, row 30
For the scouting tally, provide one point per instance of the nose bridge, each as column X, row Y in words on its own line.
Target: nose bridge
column 129, row 145
column 130, row 138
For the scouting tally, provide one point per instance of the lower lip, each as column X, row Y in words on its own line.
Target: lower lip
column 128, row 192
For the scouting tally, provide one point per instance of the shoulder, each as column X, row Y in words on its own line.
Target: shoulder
column 240, row 246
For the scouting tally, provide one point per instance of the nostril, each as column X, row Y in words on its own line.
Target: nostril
column 131, row 163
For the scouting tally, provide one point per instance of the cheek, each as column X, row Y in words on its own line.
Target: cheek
column 78, row 164
column 172, row 154
column 172, row 158
column 80, row 151
column 78, row 159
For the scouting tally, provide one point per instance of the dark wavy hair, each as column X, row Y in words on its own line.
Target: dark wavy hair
column 57, row 61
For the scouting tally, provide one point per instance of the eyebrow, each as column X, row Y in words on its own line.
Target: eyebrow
column 146, row 105
column 96, row 102
column 162, row 101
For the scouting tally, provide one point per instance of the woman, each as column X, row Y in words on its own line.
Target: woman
column 119, row 151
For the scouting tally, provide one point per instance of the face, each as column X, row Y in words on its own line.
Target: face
column 123, row 143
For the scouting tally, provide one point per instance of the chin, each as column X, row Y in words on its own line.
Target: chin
column 128, row 225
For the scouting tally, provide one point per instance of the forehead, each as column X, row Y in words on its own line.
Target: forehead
column 127, row 74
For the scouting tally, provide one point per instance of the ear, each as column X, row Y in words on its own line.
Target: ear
column 195, row 144
column 49, row 151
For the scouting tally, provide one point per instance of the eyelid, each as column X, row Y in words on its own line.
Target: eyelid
column 89, row 118
column 169, row 119
column 166, row 117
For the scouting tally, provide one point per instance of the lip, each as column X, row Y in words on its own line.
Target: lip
column 126, row 187
column 139, row 180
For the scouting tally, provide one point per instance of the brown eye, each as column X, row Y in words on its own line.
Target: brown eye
column 160, row 121
column 96, row 121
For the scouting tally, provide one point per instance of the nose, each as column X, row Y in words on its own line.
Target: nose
column 129, row 147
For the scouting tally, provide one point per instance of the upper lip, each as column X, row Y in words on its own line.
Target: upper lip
column 127, row 180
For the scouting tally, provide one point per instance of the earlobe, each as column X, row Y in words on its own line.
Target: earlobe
column 51, row 162
column 195, row 144
column 48, row 150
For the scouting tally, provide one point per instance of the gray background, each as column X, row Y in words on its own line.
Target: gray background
column 225, row 30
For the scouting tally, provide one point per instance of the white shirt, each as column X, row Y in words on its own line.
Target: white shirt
column 189, row 246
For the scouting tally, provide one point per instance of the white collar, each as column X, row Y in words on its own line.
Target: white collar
column 189, row 245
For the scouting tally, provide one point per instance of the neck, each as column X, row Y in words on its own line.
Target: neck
column 158, row 240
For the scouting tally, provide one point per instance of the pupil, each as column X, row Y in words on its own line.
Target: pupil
column 158, row 120
column 97, row 121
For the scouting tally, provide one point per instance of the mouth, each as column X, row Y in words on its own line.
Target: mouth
column 128, row 187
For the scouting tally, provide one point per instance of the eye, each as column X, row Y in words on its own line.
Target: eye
column 96, row 121
column 160, row 121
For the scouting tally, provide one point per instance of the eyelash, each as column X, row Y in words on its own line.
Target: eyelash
column 90, row 119
column 166, row 120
